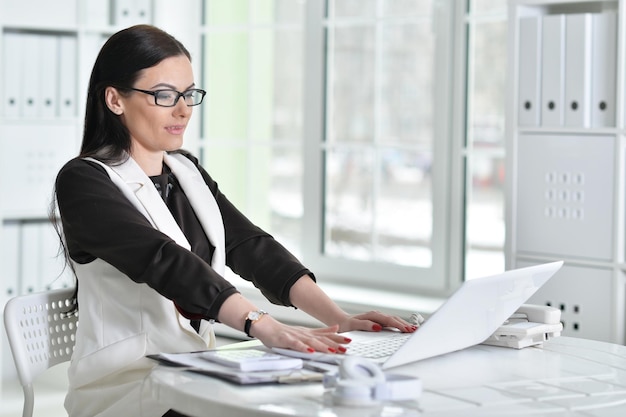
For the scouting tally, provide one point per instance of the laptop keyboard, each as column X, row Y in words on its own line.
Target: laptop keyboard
column 377, row 350
column 380, row 348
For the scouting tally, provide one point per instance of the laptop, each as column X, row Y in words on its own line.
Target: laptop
column 467, row 318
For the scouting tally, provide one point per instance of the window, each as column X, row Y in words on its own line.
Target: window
column 252, row 116
column 377, row 144
column 485, row 140
column 366, row 135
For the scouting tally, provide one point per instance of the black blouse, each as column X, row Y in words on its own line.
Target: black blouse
column 99, row 222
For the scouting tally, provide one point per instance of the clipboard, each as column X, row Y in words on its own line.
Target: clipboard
column 193, row 362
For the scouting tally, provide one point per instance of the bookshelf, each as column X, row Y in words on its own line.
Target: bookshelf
column 47, row 50
column 565, row 157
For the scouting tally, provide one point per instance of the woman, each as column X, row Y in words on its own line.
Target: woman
column 149, row 234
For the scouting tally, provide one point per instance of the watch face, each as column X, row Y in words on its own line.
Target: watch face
column 255, row 315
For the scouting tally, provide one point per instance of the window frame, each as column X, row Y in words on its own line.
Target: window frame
column 453, row 151
column 446, row 271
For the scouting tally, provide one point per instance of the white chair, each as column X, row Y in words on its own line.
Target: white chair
column 41, row 334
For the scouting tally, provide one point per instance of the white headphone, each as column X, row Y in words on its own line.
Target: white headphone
column 361, row 382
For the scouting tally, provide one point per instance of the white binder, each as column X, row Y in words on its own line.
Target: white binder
column 123, row 12
column 91, row 44
column 552, row 68
column 31, row 68
column 40, row 13
column 131, row 12
column 67, row 76
column 12, row 61
column 142, row 11
column 97, row 13
column 578, row 70
column 9, row 245
column 603, row 72
column 49, row 75
column 529, row 71
column 30, row 245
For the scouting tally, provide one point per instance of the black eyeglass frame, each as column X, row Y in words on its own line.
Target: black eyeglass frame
column 179, row 95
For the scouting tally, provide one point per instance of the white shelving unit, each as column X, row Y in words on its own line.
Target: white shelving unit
column 566, row 157
column 47, row 50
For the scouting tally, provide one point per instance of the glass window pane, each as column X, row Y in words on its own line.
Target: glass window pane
column 262, row 84
column 407, row 82
column 226, row 165
column 379, row 209
column 276, row 83
column 407, row 7
column 285, row 197
column 252, row 115
column 485, row 216
column 226, row 12
column 265, row 183
column 226, row 66
column 351, row 72
column 380, row 133
column 486, row 106
column 349, row 204
column 274, row 199
column 403, row 213
column 487, row 6
column 352, row 8
column 487, row 86
column 277, row 11
column 289, row 79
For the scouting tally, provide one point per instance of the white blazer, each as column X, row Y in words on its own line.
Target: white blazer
column 121, row 321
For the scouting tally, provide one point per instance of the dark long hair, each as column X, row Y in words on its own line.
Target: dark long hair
column 119, row 64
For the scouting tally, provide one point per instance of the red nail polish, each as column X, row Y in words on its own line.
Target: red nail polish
column 377, row 327
column 341, row 349
column 347, row 339
column 310, row 350
column 331, row 350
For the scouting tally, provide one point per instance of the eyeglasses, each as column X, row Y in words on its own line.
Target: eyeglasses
column 169, row 98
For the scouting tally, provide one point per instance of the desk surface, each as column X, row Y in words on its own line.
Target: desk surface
column 565, row 377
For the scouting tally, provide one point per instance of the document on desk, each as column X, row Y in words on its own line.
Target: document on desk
column 287, row 373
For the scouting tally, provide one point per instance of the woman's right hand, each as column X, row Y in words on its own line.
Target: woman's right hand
column 273, row 333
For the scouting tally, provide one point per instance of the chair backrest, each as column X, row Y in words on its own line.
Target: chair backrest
column 41, row 329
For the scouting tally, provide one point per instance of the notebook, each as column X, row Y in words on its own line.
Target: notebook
column 467, row 318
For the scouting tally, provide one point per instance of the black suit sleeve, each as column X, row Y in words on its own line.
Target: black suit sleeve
column 99, row 222
column 254, row 254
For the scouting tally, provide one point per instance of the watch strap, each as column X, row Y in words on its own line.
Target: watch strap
column 250, row 320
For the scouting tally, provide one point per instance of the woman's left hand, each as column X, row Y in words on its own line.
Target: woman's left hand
column 375, row 321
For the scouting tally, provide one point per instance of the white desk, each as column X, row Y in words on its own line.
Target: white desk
column 567, row 377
